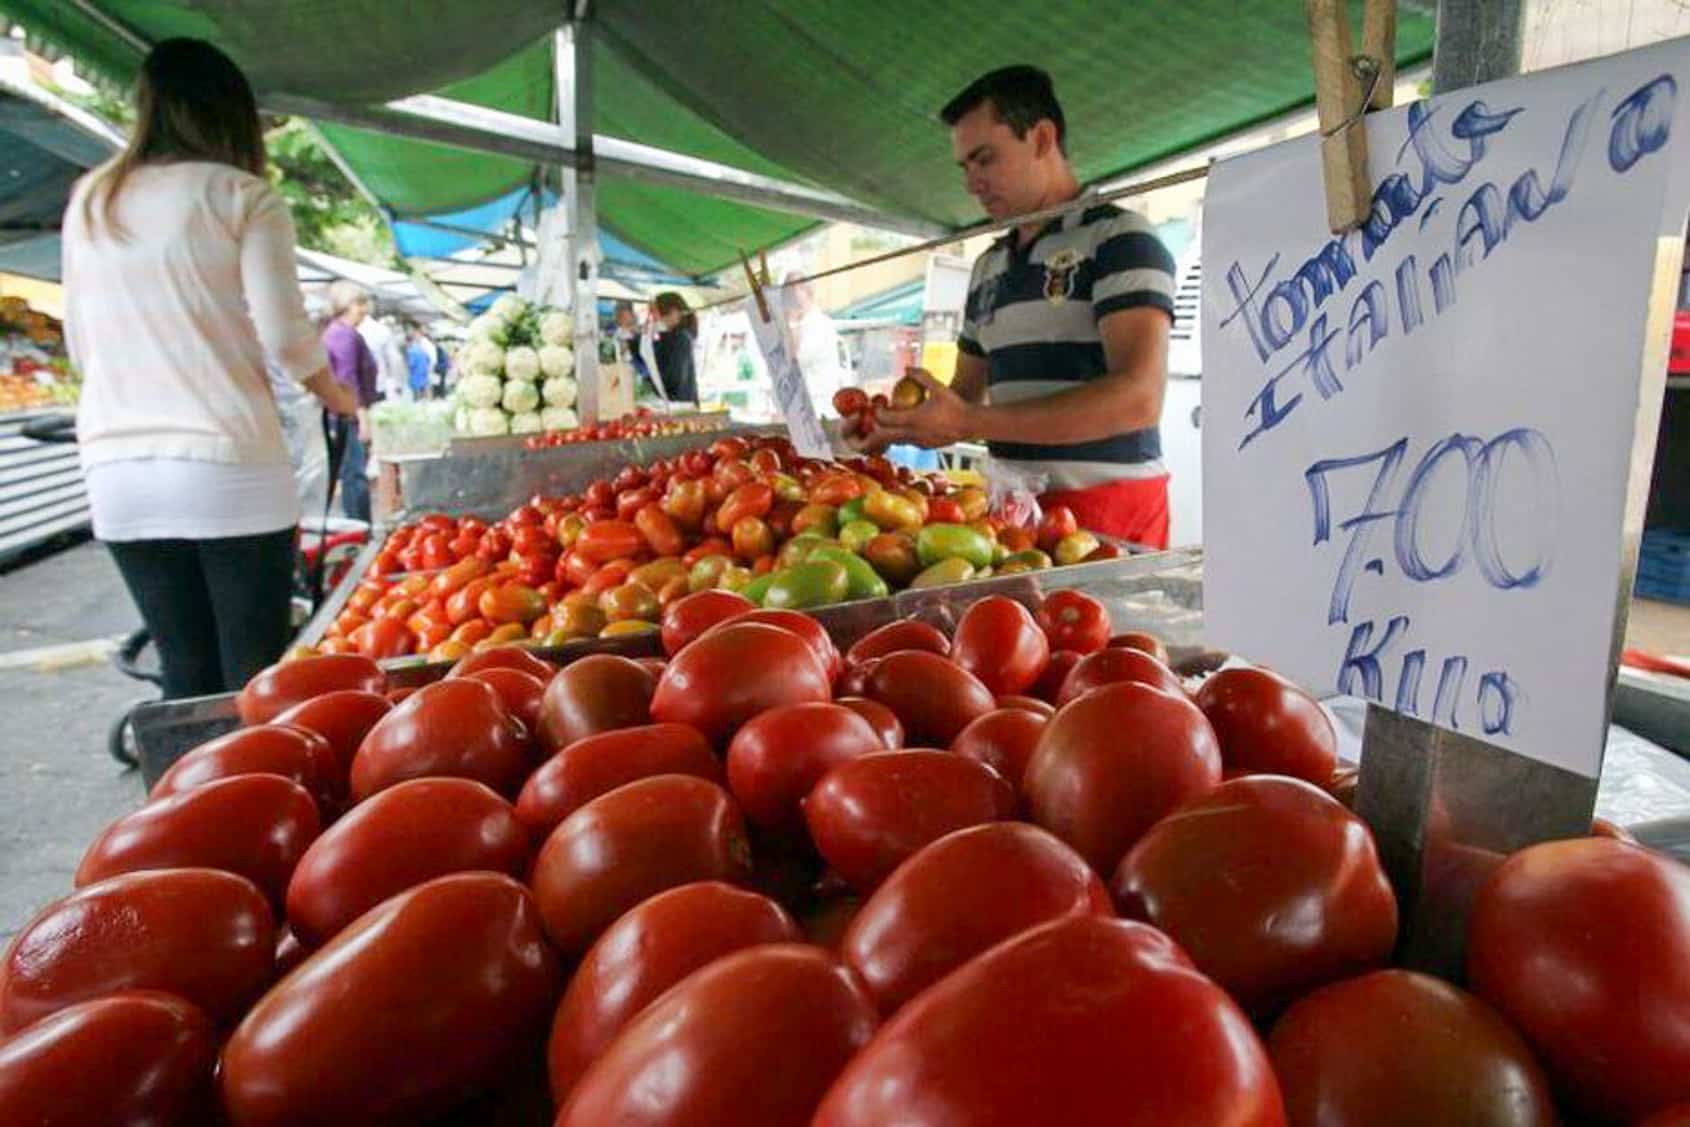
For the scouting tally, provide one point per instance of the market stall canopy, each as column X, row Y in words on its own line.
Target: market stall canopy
column 841, row 95
column 45, row 144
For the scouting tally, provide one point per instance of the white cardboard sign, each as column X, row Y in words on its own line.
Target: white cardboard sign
column 1416, row 437
column 791, row 393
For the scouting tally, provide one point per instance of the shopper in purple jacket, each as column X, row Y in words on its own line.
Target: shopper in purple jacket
column 354, row 365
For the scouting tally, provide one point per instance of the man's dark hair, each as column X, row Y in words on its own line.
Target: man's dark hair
column 1021, row 96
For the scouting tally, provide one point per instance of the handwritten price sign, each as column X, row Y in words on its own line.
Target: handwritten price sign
column 1417, row 435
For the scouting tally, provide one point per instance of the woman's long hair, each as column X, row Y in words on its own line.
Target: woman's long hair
column 671, row 302
column 191, row 103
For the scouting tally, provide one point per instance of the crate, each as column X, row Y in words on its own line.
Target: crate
column 1663, row 566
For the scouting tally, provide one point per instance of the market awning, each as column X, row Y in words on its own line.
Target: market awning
column 45, row 144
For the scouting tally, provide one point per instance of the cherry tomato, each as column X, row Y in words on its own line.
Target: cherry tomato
column 807, row 628
column 869, row 813
column 1198, row 875
column 140, row 1057
column 597, row 693
column 457, row 728
column 1003, row 740
column 454, row 973
column 882, row 719
column 933, row 698
column 400, row 838
column 1073, row 620
column 203, row 935
column 598, row 764
column 1110, row 667
column 1110, row 765
column 630, row 844
column 255, row 826
column 1062, row 662
column 1027, row 704
column 1584, row 946
column 641, row 955
column 999, row 642
column 279, row 687
column 1266, row 723
column 687, row 618
column 754, row 1037
column 1400, row 1049
column 732, row 673
column 780, row 755
column 1084, row 1005
column 269, row 749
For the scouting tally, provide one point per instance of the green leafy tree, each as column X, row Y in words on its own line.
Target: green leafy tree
column 331, row 215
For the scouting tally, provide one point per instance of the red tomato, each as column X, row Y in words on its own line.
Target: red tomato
column 1073, row 620
column 933, row 698
column 454, row 973
column 753, row 499
column 755, row 1037
column 599, row 764
column 383, row 638
column 1676, row 1116
column 734, row 672
column 464, row 604
column 278, row 688
column 1057, row 523
column 908, row 634
column 511, row 602
column 597, row 693
column 521, row 693
column 629, row 504
column 687, row 618
column 848, row 401
column 1114, row 763
column 609, row 540
column 255, row 826
column 780, row 755
column 1266, row 723
column 140, row 1057
column 1584, row 946
column 1400, row 1049
column 505, row 657
column 1026, row 704
column 998, row 641
column 631, row 844
column 870, row 813
column 400, row 838
column 269, row 749
column 200, row 934
column 752, row 538
column 807, row 628
column 1067, row 1023
column 1139, row 640
column 1003, row 740
column 1198, row 874
column 661, row 533
column 882, row 719
column 930, row 918
column 343, row 718
column 1049, row 686
column 1110, row 667
column 531, row 540
column 457, row 728
column 641, row 955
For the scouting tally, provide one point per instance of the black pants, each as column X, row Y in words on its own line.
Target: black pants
column 218, row 610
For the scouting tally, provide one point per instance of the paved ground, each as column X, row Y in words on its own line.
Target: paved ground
column 58, row 787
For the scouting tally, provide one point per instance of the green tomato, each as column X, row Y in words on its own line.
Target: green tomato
column 856, row 534
column 1030, row 560
column 815, row 583
column 852, row 510
column 952, row 570
column 936, row 542
column 798, row 549
column 758, row 587
column 863, row 582
column 707, row 573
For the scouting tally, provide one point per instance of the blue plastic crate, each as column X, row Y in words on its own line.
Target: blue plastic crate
column 1663, row 566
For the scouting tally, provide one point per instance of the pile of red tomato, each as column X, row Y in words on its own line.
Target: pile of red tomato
column 747, row 516
column 1019, row 874
column 642, row 423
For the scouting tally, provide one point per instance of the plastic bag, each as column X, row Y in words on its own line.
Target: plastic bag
column 1013, row 493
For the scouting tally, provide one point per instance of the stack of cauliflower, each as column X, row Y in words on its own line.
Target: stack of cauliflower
column 517, row 371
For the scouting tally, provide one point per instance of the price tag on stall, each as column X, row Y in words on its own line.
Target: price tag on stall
column 1417, row 436
column 791, row 393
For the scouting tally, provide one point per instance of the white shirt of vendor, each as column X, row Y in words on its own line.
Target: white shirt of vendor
column 177, row 427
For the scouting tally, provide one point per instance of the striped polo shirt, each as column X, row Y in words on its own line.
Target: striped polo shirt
column 1032, row 312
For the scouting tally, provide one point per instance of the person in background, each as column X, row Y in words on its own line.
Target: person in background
column 678, row 328
column 354, row 366
column 817, row 342
column 1063, row 356
column 635, row 345
column 389, row 352
column 180, row 287
column 420, row 355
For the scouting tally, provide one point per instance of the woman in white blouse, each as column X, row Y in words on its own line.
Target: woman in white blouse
column 179, row 285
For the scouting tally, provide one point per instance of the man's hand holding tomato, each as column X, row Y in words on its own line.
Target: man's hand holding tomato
column 943, row 417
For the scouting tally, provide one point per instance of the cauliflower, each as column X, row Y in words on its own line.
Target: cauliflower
column 460, row 420
column 487, row 327
column 559, row 418
column 509, row 308
column 479, row 390
column 520, row 396
column 559, row 391
column 487, row 421
column 485, row 358
column 557, row 360
column 557, row 326
column 522, row 363
column 526, row 423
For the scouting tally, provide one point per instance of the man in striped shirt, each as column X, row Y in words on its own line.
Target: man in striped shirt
column 1063, row 355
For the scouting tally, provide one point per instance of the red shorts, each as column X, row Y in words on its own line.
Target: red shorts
column 1134, row 509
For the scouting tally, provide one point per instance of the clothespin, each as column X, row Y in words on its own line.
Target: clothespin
column 1346, row 87
column 757, row 283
